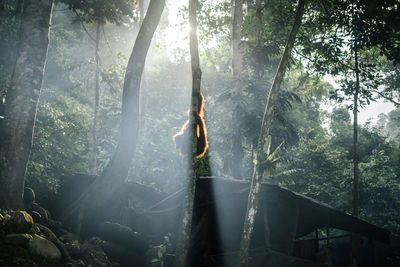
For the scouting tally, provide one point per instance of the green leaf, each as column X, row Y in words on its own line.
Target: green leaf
column 268, row 145
column 272, row 156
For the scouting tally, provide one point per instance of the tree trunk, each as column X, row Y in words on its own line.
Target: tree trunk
column 355, row 136
column 183, row 244
column 237, row 70
column 355, row 143
column 252, row 204
column 143, row 85
column 22, row 101
column 96, row 100
column 355, row 237
column 96, row 97
column 97, row 195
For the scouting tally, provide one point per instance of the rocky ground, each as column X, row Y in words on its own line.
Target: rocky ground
column 33, row 238
column 25, row 241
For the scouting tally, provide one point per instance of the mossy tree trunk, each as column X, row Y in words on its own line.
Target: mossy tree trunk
column 17, row 131
column 252, row 205
column 183, row 244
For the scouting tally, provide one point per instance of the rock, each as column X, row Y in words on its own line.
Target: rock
column 20, row 222
column 6, row 218
column 58, row 230
column 69, row 237
column 36, row 216
column 42, row 211
column 43, row 247
column 34, row 230
column 73, row 248
column 29, row 196
column 93, row 255
column 17, row 239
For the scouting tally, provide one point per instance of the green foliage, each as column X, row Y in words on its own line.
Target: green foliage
column 114, row 11
column 203, row 167
column 267, row 160
column 334, row 30
column 162, row 250
column 265, row 30
column 316, row 156
column 316, row 170
column 10, row 14
column 380, row 190
column 45, row 186
column 61, row 144
column 320, row 166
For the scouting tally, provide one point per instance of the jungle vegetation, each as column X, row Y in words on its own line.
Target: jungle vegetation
column 116, row 78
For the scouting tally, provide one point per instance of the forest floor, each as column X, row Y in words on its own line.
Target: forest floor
column 32, row 238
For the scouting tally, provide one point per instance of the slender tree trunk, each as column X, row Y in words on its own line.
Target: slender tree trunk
column 22, row 101
column 183, row 244
column 355, row 237
column 355, row 118
column 237, row 70
column 143, row 86
column 98, row 194
column 252, row 205
column 355, row 140
column 96, row 100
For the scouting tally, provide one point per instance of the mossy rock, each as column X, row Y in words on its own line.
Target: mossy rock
column 42, row 247
column 20, row 222
column 17, row 239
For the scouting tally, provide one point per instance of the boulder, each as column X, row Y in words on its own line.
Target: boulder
column 36, row 216
column 73, row 248
column 45, row 214
column 17, row 239
column 34, row 230
column 19, row 222
column 92, row 254
column 43, row 247
column 69, row 238
column 5, row 220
